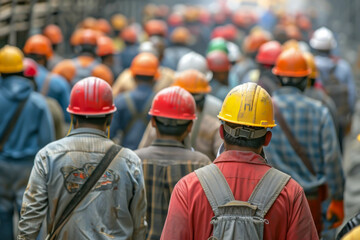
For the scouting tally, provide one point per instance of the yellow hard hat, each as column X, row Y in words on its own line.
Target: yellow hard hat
column 353, row 234
column 311, row 63
column 11, row 60
column 250, row 105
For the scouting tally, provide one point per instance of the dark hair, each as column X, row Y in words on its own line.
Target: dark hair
column 143, row 78
column 244, row 142
column 93, row 120
column 171, row 130
column 87, row 48
column 37, row 57
column 298, row 82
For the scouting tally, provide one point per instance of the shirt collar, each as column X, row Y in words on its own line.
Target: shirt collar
column 88, row 131
column 167, row 143
column 240, row 156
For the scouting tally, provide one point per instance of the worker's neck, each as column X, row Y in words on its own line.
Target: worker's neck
column 229, row 147
column 89, row 125
column 169, row 137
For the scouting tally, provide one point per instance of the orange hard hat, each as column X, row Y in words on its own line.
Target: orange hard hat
column 105, row 46
column 38, row 44
column 86, row 36
column 118, row 22
column 53, row 32
column 192, row 81
column 253, row 42
column 293, row 32
column 103, row 25
column 291, row 63
column 89, row 23
column 156, row 27
column 103, row 72
column 311, row 63
column 180, row 35
column 129, row 35
column 145, row 64
column 66, row 69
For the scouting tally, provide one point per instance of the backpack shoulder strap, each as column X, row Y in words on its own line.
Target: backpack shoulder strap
column 215, row 186
column 267, row 190
column 46, row 84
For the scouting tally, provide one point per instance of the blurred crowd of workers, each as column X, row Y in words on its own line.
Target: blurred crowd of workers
column 183, row 91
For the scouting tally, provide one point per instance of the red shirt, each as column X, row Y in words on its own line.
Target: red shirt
column 190, row 213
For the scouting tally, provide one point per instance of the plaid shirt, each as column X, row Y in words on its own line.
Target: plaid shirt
column 165, row 162
column 312, row 125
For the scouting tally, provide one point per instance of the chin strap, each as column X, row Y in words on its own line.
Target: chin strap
column 71, row 124
column 108, row 131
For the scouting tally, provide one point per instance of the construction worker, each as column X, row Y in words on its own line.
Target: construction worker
column 116, row 205
column 25, row 127
column 54, row 34
column 193, row 60
column 107, row 53
column 85, row 64
column 244, row 131
column 30, row 71
column 125, row 81
column 167, row 159
column 318, row 93
column 131, row 119
column 336, row 76
column 38, row 48
column 156, row 27
column 266, row 59
column 179, row 39
column 218, row 62
column 131, row 49
column 118, row 23
column 305, row 144
column 204, row 137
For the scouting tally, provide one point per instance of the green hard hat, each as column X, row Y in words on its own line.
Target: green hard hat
column 218, row 44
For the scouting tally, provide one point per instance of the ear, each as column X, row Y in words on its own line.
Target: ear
column 221, row 131
column 153, row 122
column 189, row 127
column 268, row 136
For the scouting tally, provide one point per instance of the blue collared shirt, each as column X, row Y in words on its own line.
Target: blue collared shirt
column 312, row 125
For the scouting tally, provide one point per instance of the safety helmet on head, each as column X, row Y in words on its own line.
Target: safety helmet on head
column 218, row 44
column 105, row 46
column 156, row 27
column 175, row 103
column 88, row 23
column 218, row 61
column 323, row 39
column 248, row 104
column 180, row 35
column 145, row 64
column 148, row 47
column 268, row 53
column 87, row 36
column 118, row 21
column 11, row 60
column 291, row 63
column 91, row 97
column 30, row 67
column 103, row 25
column 40, row 45
column 292, row 43
column 53, row 32
column 175, row 20
column 193, row 60
column 129, row 35
column 192, row 81
column 311, row 63
column 234, row 54
column 253, row 41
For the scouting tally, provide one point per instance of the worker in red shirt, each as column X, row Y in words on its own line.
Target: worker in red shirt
column 246, row 115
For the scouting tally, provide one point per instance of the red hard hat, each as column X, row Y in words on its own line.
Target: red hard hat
column 156, row 27
column 268, row 53
column 30, row 67
column 291, row 63
column 175, row 20
column 91, row 96
column 129, row 34
column 218, row 61
column 175, row 103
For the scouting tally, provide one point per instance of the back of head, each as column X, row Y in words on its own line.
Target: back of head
column 173, row 108
column 11, row 60
column 85, row 41
column 38, row 45
column 246, row 113
column 193, row 60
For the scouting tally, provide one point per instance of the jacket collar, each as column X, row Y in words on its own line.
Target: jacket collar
column 167, row 143
column 240, row 156
column 87, row 131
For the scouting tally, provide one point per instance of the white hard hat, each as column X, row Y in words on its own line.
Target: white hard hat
column 193, row 60
column 234, row 52
column 149, row 47
column 323, row 39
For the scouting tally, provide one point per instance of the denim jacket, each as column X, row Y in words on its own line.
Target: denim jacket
column 114, row 209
